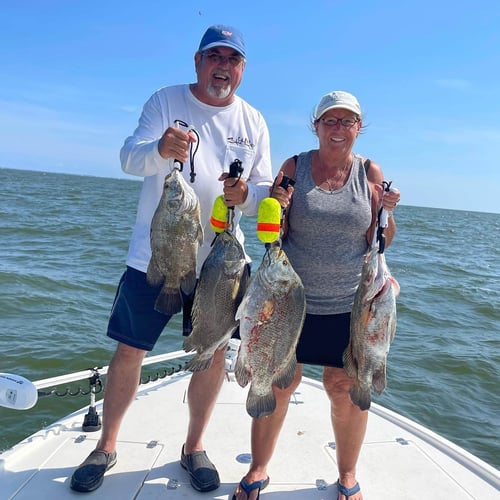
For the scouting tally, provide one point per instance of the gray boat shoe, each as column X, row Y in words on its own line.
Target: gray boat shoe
column 202, row 472
column 89, row 475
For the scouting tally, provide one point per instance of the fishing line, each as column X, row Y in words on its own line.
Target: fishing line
column 193, row 148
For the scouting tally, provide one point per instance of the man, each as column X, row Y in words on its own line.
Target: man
column 229, row 129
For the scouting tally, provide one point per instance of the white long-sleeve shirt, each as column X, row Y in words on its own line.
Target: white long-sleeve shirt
column 236, row 131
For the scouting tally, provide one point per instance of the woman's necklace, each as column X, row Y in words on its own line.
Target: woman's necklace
column 337, row 181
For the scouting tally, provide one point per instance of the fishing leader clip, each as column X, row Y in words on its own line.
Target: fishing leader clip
column 382, row 220
column 235, row 171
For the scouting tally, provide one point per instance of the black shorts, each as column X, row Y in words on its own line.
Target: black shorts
column 323, row 339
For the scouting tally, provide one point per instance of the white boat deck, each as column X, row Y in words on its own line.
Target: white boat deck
column 399, row 459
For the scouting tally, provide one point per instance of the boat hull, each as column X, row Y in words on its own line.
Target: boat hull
column 399, row 459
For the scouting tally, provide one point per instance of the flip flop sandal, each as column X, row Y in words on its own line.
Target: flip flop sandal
column 347, row 492
column 257, row 485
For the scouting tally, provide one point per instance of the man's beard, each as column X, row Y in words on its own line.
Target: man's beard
column 219, row 92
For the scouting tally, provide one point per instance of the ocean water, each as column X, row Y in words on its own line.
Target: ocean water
column 63, row 245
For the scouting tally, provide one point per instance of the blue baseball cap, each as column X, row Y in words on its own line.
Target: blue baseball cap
column 222, row 36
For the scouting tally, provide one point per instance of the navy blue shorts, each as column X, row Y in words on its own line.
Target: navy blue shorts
column 134, row 320
column 323, row 339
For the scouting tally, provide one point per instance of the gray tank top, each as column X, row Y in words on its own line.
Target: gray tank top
column 326, row 237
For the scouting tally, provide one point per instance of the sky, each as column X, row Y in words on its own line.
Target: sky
column 75, row 75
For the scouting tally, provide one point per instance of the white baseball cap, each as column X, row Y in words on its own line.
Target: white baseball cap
column 337, row 99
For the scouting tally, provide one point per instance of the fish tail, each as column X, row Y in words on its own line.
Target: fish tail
column 198, row 364
column 360, row 395
column 169, row 301
column 260, row 406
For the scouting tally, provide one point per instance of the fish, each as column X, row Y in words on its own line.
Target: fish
column 271, row 316
column 176, row 232
column 373, row 327
column 223, row 280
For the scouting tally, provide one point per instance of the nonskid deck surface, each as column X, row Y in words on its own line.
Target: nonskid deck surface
column 394, row 462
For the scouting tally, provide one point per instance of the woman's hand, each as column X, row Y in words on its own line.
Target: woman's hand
column 390, row 199
column 283, row 195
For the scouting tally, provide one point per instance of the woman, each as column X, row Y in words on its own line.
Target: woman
column 330, row 226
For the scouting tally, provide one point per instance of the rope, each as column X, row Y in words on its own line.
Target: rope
column 96, row 386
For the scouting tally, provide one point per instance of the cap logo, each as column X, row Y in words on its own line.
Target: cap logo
column 227, row 33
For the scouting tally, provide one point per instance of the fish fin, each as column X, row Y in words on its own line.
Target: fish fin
column 379, row 380
column 187, row 345
column 198, row 364
column 392, row 335
column 169, row 301
column 244, row 281
column 260, row 406
column 153, row 274
column 188, row 282
column 285, row 377
column 395, row 286
column 392, row 328
column 350, row 366
column 240, row 311
column 242, row 370
column 200, row 235
column 360, row 395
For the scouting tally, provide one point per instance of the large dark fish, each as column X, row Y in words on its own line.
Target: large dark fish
column 176, row 232
column 373, row 326
column 271, row 316
column 223, row 280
